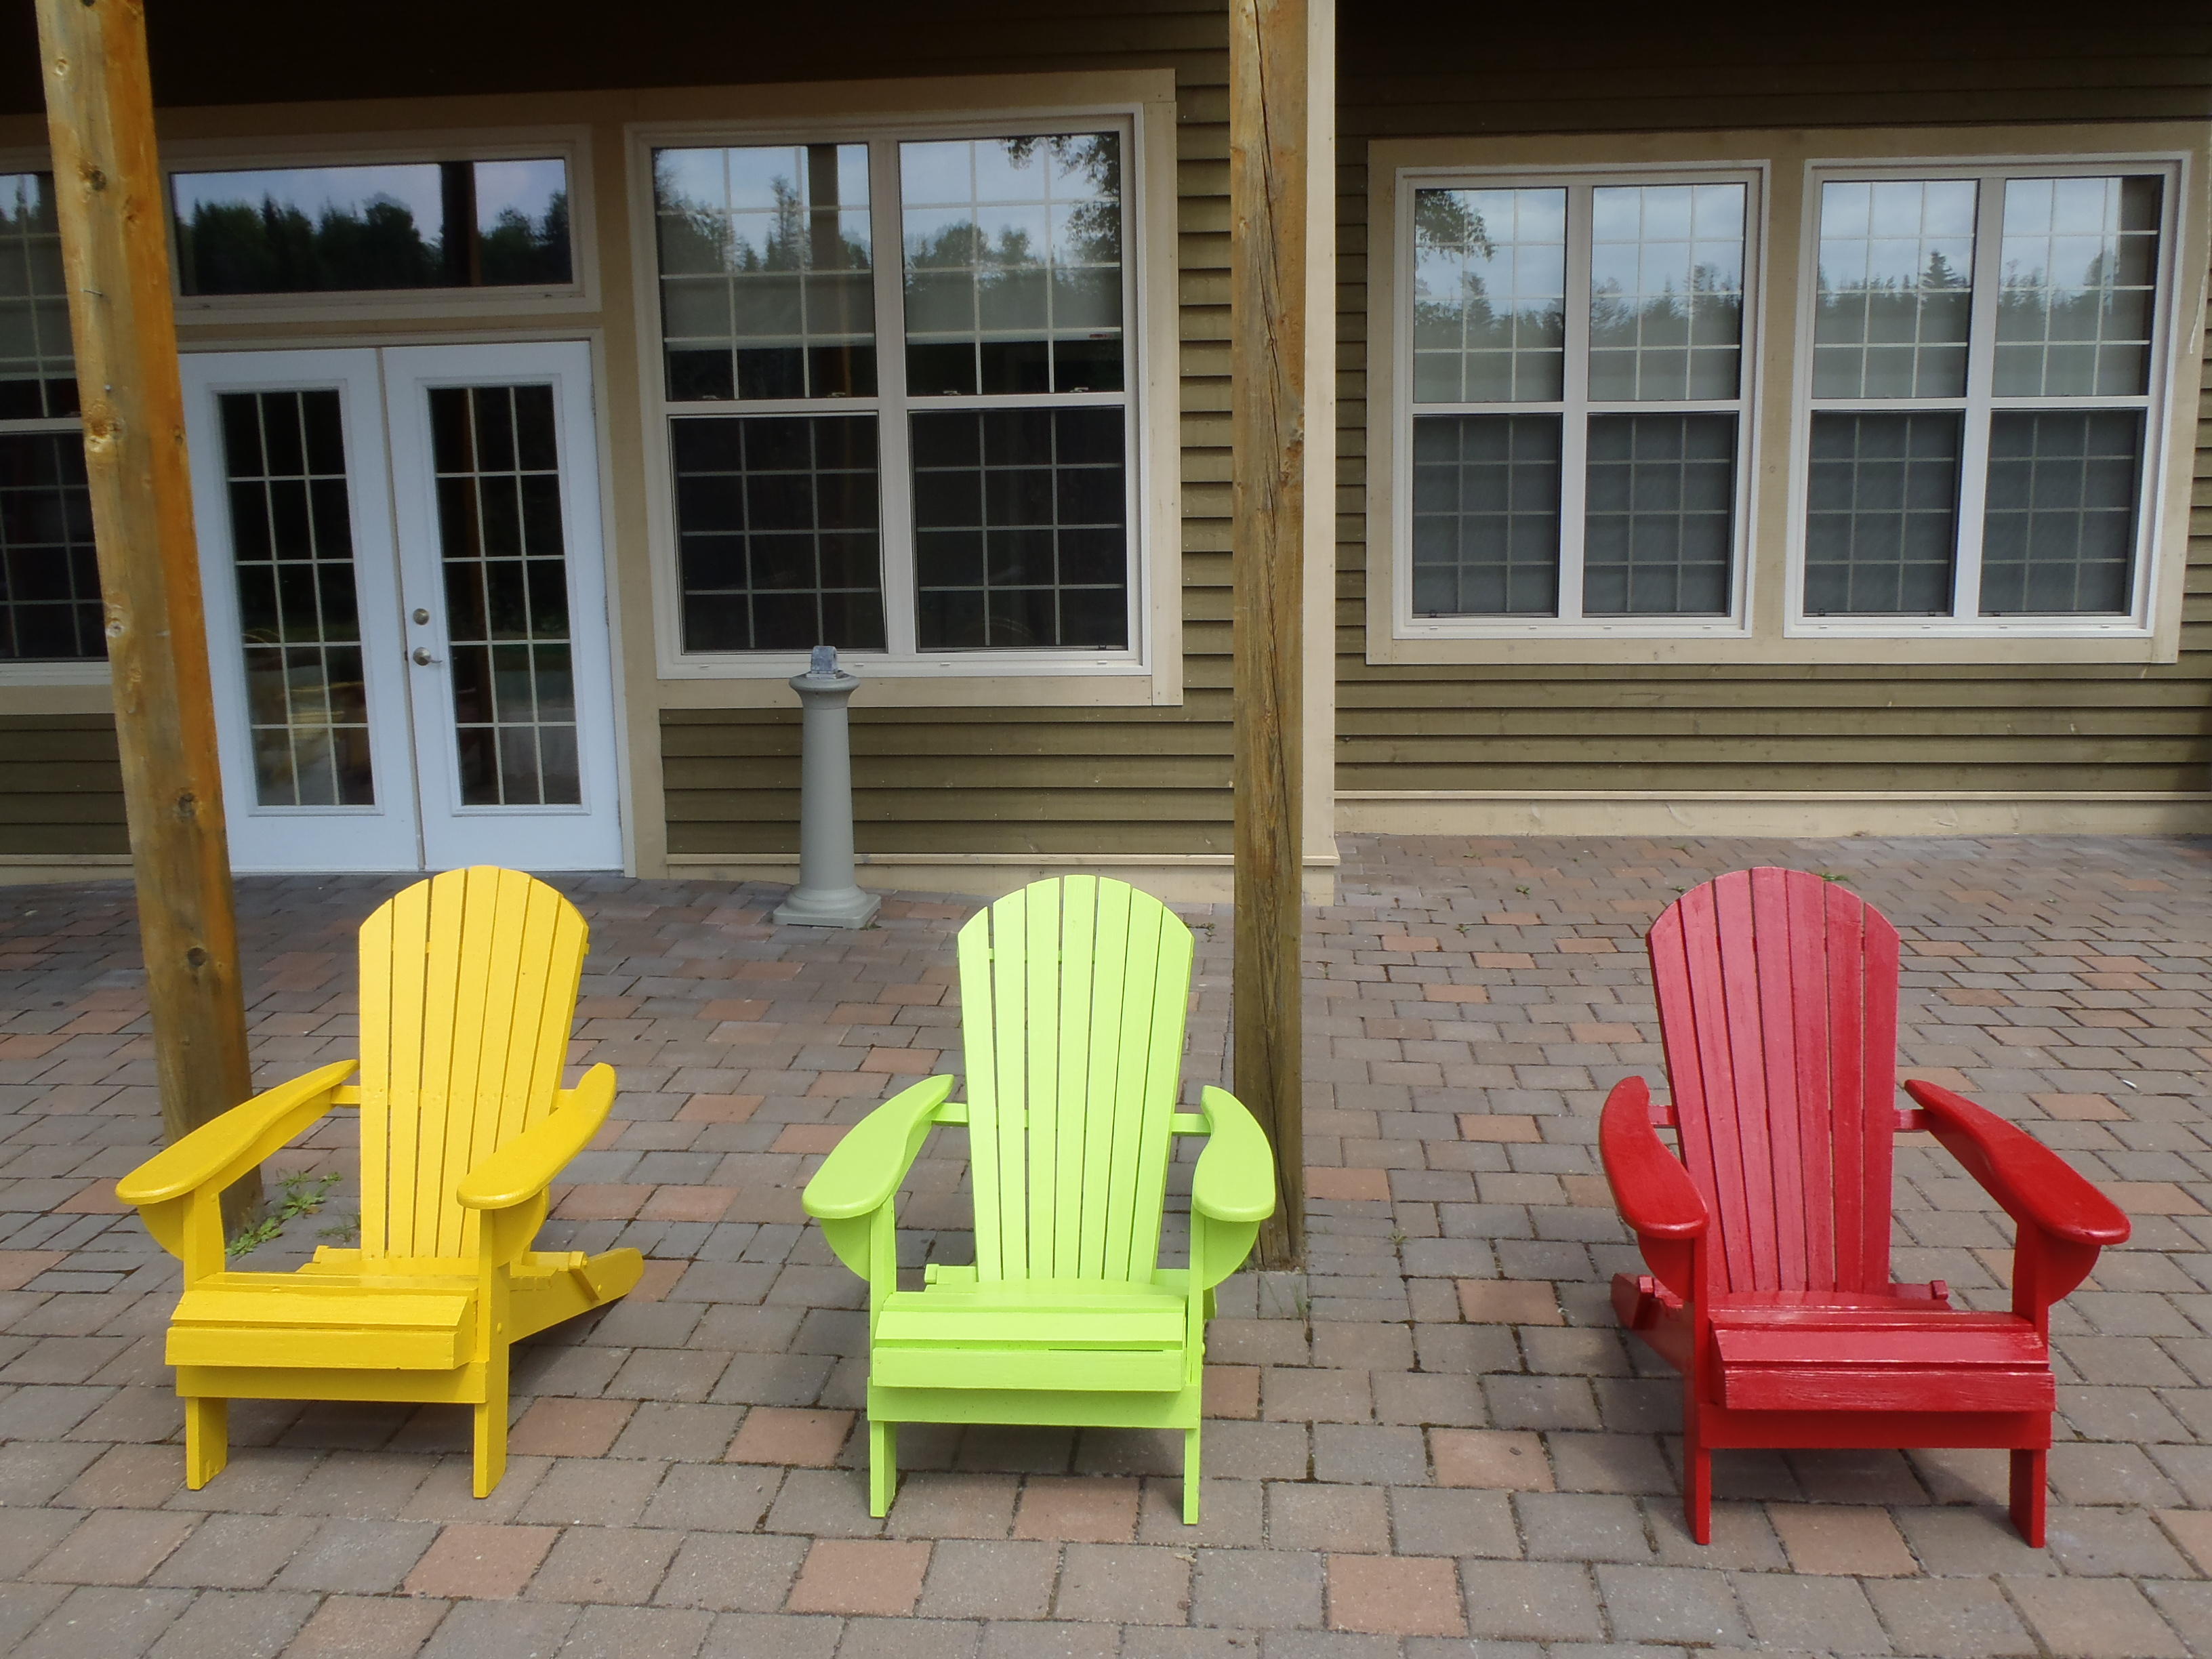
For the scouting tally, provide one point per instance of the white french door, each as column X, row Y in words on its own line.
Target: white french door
column 406, row 606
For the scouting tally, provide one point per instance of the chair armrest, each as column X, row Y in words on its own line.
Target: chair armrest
column 223, row 1150
column 2037, row 1188
column 864, row 1169
column 1234, row 1179
column 530, row 1163
column 1651, row 1190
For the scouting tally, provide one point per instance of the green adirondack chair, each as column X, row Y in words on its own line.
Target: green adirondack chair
column 1074, row 995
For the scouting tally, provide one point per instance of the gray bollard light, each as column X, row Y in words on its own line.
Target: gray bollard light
column 827, row 895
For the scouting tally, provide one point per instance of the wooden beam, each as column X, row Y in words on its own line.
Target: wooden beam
column 115, row 257
column 1268, row 120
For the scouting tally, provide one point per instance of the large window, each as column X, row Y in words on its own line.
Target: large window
column 50, row 608
column 1984, row 345
column 1575, row 360
column 895, row 370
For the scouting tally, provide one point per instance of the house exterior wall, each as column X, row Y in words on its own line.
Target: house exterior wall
column 1102, row 773
column 1831, row 746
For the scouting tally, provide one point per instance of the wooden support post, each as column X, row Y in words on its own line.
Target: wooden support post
column 115, row 256
column 1268, row 122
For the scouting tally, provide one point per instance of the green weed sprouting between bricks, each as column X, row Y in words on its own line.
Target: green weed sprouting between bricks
column 301, row 1195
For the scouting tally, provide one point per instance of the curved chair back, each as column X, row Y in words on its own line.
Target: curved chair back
column 1777, row 1006
column 468, row 992
column 1075, row 994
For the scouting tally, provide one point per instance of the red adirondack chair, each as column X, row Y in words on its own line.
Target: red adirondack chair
column 1768, row 1238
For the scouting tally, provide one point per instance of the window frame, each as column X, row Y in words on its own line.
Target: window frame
column 1146, row 671
column 570, row 143
column 1575, row 405
column 1980, row 402
column 47, row 671
column 1780, row 421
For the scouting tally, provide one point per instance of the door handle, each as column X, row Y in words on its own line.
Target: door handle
column 421, row 656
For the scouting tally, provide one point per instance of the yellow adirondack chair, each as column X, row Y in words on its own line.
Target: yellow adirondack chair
column 468, row 990
column 1073, row 993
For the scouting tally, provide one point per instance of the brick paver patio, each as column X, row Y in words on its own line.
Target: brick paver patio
column 1435, row 1443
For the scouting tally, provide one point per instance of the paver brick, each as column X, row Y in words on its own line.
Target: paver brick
column 1124, row 1584
column 861, row 1575
column 367, row 1627
column 481, row 1563
column 2100, row 1619
column 114, row 1547
column 1392, row 1596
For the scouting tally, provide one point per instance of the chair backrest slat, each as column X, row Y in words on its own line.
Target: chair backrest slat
column 1778, row 1004
column 468, row 992
column 1073, row 997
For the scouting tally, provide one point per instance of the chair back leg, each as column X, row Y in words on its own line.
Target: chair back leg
column 883, row 1466
column 1190, row 1473
column 2030, row 1471
column 206, row 1439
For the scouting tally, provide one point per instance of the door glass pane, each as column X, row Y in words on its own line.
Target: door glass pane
column 1013, row 264
column 1486, row 515
column 2081, row 272
column 765, row 284
column 1881, row 515
column 1897, row 274
column 1666, row 291
column 1490, row 283
column 1660, row 515
column 505, row 564
column 2058, row 534
column 37, row 369
column 776, row 527
column 394, row 225
column 1021, row 529
column 298, row 611
column 49, row 575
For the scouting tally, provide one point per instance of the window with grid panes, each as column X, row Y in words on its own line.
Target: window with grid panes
column 1984, row 344
column 1578, row 399
column 50, row 608
column 895, row 370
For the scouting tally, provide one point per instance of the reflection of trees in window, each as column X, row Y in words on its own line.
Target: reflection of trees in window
column 700, row 236
column 1093, row 222
column 276, row 246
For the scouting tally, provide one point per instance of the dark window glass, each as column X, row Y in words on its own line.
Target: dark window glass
column 37, row 371
column 299, row 610
column 1881, row 514
column 49, row 578
column 405, row 225
column 777, row 528
column 2058, row 530
column 506, row 570
column 1021, row 529
column 1486, row 515
column 1659, row 515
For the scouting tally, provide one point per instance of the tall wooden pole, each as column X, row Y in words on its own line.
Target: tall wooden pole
column 1269, row 135
column 115, row 255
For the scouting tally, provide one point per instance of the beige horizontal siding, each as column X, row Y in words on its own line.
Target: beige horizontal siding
column 1685, row 727
column 61, row 792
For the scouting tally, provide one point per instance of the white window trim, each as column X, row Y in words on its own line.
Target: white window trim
column 1575, row 405
column 1148, row 671
column 1989, row 174
column 1781, row 421
column 571, row 143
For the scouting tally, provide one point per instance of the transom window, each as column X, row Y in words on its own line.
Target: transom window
column 50, row 608
column 1576, row 350
column 895, row 372
column 371, row 227
column 1984, row 359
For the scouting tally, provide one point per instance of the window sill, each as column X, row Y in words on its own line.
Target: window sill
column 2010, row 647
column 55, row 688
column 923, row 685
